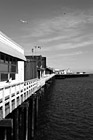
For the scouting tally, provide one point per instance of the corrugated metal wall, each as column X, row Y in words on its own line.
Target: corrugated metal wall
column 43, row 62
column 30, row 70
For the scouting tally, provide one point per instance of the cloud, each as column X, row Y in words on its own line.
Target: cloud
column 64, row 46
column 90, row 19
column 46, row 40
column 71, row 54
column 62, row 23
column 66, row 55
column 62, row 32
column 58, row 38
column 58, row 24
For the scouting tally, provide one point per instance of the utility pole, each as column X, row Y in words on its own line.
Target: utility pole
column 35, row 49
column 39, row 47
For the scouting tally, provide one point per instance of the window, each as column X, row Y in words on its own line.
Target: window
column 3, row 67
column 4, row 77
column 8, row 67
column 14, row 61
column 13, row 69
column 10, row 61
column 2, row 58
column 6, row 59
column 12, row 76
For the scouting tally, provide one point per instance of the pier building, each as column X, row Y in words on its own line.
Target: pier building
column 35, row 66
column 11, row 61
column 49, row 70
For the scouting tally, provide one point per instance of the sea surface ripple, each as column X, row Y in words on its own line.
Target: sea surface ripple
column 66, row 110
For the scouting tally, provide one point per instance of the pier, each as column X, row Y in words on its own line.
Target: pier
column 23, row 80
column 19, row 108
column 63, row 76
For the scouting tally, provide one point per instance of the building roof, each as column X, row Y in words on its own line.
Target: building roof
column 10, row 48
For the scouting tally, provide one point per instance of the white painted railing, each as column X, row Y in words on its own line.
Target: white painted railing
column 13, row 95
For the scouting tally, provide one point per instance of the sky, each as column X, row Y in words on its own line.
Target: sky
column 62, row 28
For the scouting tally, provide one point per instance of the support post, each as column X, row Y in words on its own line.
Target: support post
column 33, row 115
column 7, row 126
column 27, row 109
column 5, row 134
column 24, row 120
column 36, row 114
column 16, row 124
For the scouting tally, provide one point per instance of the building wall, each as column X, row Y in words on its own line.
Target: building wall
column 43, row 62
column 40, row 65
column 20, row 74
column 38, row 60
column 30, row 70
column 48, row 71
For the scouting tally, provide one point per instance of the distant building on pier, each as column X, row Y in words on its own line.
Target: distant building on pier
column 64, row 71
column 49, row 70
column 34, row 67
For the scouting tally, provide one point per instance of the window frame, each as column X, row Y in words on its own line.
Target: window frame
column 11, row 62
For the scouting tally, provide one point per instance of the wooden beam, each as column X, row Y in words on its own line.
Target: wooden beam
column 6, row 123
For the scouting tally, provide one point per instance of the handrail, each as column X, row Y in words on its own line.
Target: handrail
column 13, row 95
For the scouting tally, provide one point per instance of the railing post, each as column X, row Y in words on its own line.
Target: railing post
column 23, row 91
column 3, row 102
column 19, row 93
column 26, row 91
column 15, row 98
column 10, row 101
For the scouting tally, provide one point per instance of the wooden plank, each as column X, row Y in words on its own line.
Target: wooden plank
column 6, row 123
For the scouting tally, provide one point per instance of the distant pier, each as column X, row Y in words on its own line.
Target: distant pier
column 63, row 76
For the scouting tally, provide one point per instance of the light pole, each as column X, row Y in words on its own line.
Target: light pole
column 37, row 47
column 32, row 51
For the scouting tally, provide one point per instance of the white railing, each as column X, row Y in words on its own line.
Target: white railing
column 13, row 95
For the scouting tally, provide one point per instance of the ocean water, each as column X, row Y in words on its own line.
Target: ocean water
column 66, row 110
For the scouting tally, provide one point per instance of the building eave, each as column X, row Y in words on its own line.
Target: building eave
column 9, row 47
